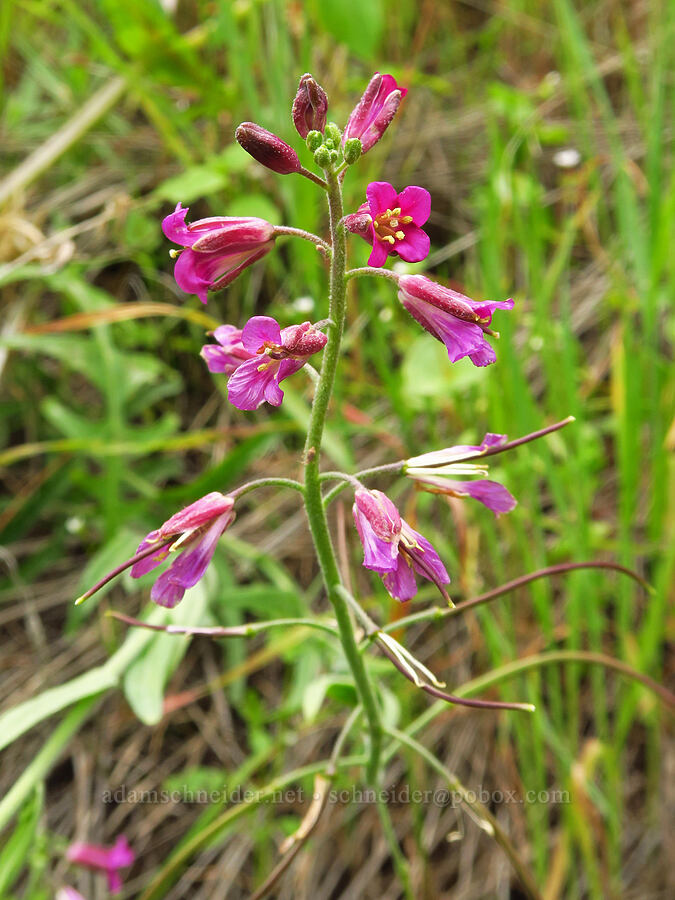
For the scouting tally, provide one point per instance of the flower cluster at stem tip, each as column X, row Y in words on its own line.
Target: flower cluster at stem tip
column 256, row 357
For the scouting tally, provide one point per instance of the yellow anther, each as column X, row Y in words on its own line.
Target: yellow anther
column 393, row 223
column 400, row 235
column 406, row 220
column 174, row 253
column 396, row 212
column 389, row 239
column 376, row 224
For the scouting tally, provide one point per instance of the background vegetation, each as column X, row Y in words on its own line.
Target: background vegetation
column 111, row 422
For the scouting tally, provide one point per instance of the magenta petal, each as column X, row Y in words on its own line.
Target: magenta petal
column 416, row 202
column 258, row 330
column 289, row 367
column 114, row 881
column 120, row 854
column 246, row 387
column 381, row 196
column 401, row 582
column 493, row 440
column 188, row 278
column 426, row 560
column 489, row 493
column 484, row 355
column 378, row 555
column 378, row 255
column 415, row 246
column 148, row 563
column 176, row 230
column 218, row 360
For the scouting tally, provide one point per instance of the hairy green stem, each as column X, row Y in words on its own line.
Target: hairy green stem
column 316, row 514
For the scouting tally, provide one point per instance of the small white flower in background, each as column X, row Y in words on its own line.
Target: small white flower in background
column 567, row 158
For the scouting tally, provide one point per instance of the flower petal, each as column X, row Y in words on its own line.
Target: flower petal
column 401, row 582
column 143, row 566
column 188, row 277
column 246, row 387
column 489, row 493
column 381, row 197
column 378, row 255
column 415, row 245
column 197, row 514
column 378, row 555
column 416, row 202
column 258, row 330
column 175, row 227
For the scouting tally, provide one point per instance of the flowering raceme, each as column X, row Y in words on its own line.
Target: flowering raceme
column 393, row 549
column 215, row 250
column 392, row 222
column 196, row 529
column 372, row 115
column 101, row 859
column 455, row 320
column 275, row 354
column 436, row 472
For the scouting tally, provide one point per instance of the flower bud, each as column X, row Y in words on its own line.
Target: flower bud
column 334, row 157
column 334, row 133
column 267, row 148
column 352, row 150
column 314, row 140
column 322, row 157
column 309, row 107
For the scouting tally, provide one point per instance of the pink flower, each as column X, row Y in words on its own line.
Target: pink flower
column 393, row 549
column 229, row 353
column 267, row 148
column 216, row 250
column 437, row 472
column 309, row 107
column 68, row 893
column 196, row 529
column 102, row 859
column 391, row 222
column 455, row 320
column 275, row 354
column 374, row 111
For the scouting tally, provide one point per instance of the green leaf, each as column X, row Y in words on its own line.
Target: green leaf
column 337, row 686
column 192, row 184
column 357, row 24
column 16, row 851
column 146, row 678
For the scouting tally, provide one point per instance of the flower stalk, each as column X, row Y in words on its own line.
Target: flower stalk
column 316, row 514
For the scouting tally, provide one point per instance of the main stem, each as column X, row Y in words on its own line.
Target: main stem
column 316, row 513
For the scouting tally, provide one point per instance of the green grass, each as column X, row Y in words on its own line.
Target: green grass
column 109, row 428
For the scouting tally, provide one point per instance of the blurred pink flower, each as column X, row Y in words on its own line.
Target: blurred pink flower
column 102, row 859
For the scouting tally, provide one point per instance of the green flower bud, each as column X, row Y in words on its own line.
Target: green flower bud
column 314, row 140
column 352, row 150
column 334, row 157
column 334, row 133
column 322, row 157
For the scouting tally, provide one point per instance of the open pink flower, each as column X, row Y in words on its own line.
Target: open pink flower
column 455, row 320
column 391, row 222
column 195, row 531
column 275, row 354
column 103, row 859
column 229, row 353
column 215, row 250
column 371, row 116
column 441, row 471
column 393, row 549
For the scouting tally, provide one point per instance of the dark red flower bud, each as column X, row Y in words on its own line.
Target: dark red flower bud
column 267, row 148
column 310, row 106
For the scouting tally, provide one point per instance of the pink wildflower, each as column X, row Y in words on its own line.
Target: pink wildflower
column 215, row 250
column 393, row 549
column 275, row 354
column 391, row 222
